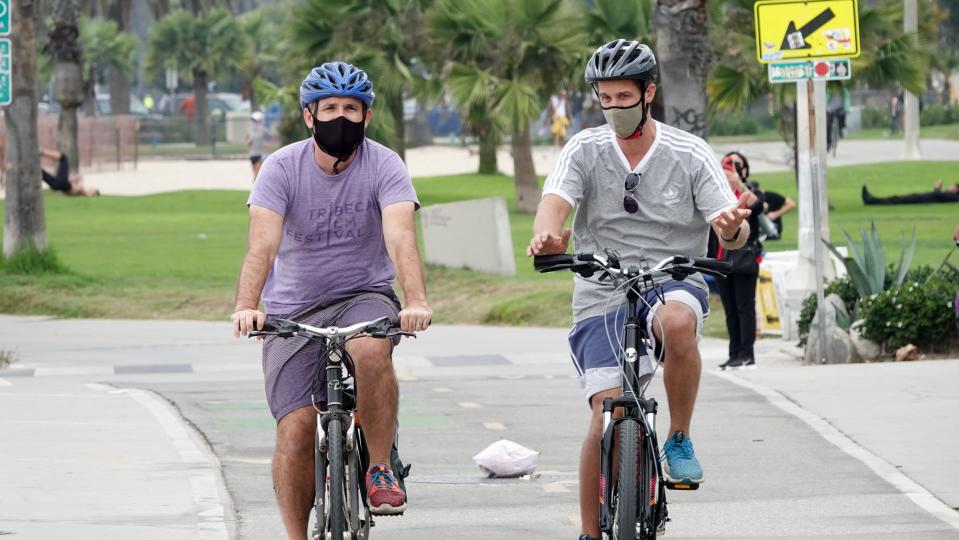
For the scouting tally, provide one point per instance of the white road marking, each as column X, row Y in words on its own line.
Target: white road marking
column 885, row 470
column 495, row 426
column 442, row 390
column 209, row 491
column 403, row 374
column 99, row 387
column 248, row 461
column 555, row 487
column 4, row 382
column 470, row 405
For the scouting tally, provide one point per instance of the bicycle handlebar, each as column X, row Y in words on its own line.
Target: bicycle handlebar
column 587, row 264
column 379, row 328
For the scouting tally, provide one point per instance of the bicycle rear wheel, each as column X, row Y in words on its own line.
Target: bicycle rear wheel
column 625, row 513
column 337, row 510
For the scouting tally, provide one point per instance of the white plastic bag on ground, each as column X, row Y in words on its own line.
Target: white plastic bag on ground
column 506, row 459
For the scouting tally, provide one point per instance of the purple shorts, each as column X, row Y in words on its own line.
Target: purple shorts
column 290, row 365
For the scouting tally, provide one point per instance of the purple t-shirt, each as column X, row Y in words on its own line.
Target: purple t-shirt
column 332, row 225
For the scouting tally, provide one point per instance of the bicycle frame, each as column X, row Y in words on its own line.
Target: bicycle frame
column 635, row 407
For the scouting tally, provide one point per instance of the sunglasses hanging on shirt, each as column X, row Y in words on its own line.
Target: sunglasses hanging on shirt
column 629, row 200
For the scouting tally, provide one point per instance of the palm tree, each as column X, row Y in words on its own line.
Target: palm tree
column 606, row 20
column 684, row 56
column 24, row 226
column 506, row 59
column 199, row 46
column 118, row 77
column 262, row 49
column 106, row 48
column 386, row 38
column 64, row 46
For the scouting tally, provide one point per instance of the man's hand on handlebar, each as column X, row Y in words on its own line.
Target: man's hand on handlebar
column 547, row 243
column 246, row 320
column 415, row 317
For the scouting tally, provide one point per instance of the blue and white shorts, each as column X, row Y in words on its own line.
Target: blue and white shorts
column 598, row 361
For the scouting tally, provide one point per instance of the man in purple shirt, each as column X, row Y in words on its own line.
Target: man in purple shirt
column 331, row 227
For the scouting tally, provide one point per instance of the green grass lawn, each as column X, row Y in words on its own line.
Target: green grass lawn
column 948, row 131
column 177, row 255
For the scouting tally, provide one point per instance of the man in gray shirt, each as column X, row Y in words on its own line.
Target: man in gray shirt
column 649, row 191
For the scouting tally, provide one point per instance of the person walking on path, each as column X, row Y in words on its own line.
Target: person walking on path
column 254, row 141
column 331, row 227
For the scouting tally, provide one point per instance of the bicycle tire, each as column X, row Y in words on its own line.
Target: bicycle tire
column 625, row 514
column 320, row 497
column 337, row 512
column 652, row 491
column 359, row 514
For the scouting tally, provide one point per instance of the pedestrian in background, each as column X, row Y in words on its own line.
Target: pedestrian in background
column 254, row 141
column 738, row 290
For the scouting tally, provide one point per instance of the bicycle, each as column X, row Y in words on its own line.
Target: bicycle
column 341, row 455
column 634, row 506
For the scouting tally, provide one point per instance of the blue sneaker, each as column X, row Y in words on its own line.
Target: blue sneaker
column 679, row 461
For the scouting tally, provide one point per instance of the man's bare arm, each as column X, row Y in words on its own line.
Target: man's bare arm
column 399, row 233
column 549, row 237
column 263, row 243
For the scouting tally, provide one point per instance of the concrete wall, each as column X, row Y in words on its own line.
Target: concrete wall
column 469, row 234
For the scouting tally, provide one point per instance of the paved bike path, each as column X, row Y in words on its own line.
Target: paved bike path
column 768, row 473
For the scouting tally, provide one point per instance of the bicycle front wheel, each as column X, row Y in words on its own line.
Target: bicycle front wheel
column 625, row 513
column 337, row 510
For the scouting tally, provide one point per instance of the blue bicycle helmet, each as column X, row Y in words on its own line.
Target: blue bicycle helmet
column 336, row 79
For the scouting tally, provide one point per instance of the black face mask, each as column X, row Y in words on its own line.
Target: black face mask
column 338, row 137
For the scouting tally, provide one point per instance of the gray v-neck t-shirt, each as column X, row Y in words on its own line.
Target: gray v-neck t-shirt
column 681, row 190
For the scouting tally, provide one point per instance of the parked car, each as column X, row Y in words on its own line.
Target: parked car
column 215, row 102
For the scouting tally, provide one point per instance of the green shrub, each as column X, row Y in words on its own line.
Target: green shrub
column 843, row 287
column 920, row 313
column 874, row 117
column 732, row 124
column 936, row 115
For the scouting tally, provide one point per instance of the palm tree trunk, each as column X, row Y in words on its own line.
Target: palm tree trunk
column 201, row 135
column 524, row 173
column 684, row 59
column 399, row 127
column 24, row 225
column 120, row 11
column 65, row 48
column 487, row 148
column 89, row 96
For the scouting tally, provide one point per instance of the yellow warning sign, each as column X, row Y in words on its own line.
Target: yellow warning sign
column 793, row 29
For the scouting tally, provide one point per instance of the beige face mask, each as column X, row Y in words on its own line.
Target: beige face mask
column 625, row 121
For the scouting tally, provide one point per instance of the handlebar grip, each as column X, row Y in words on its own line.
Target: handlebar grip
column 553, row 263
column 723, row 267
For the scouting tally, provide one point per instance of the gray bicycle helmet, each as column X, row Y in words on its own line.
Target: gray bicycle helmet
column 621, row 59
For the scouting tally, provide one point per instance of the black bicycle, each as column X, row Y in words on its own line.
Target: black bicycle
column 341, row 454
column 634, row 506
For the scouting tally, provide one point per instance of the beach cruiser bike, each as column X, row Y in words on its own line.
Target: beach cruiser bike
column 633, row 507
column 342, row 510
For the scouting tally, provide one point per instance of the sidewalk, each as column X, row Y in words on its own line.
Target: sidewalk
column 159, row 176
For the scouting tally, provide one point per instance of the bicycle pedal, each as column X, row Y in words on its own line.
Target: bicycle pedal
column 681, row 486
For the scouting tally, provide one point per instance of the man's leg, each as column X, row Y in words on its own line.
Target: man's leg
column 589, row 464
column 377, row 394
column 683, row 365
column 293, row 476
column 377, row 404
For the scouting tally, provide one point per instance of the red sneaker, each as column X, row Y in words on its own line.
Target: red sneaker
column 383, row 492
